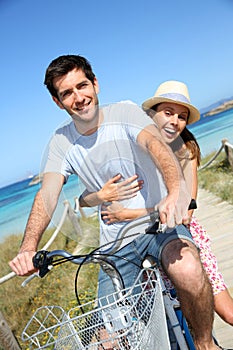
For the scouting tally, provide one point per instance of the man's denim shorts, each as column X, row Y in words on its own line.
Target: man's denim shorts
column 128, row 259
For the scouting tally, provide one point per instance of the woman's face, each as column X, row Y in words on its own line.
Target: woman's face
column 171, row 120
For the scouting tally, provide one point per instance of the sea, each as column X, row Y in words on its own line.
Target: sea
column 16, row 199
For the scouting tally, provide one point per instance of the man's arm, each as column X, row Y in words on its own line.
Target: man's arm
column 41, row 213
column 174, row 208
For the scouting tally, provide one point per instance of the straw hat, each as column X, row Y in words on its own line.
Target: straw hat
column 174, row 92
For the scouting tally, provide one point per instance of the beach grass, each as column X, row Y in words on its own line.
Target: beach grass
column 18, row 304
column 217, row 178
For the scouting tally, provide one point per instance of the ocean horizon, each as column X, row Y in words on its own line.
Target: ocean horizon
column 16, row 199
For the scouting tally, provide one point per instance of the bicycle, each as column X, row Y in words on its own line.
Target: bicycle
column 132, row 318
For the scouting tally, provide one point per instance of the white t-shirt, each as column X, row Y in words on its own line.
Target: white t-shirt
column 111, row 150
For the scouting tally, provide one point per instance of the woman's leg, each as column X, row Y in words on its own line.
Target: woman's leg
column 223, row 301
column 223, row 305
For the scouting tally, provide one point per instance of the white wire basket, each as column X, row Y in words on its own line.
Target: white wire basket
column 133, row 321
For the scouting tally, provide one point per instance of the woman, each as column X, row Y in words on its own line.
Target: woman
column 171, row 110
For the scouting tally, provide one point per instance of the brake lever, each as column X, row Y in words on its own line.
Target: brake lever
column 42, row 262
column 157, row 226
column 161, row 227
column 29, row 278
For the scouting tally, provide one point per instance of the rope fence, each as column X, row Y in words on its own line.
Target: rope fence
column 229, row 154
column 45, row 247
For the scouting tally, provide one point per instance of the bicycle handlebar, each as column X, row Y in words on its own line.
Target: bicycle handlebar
column 43, row 260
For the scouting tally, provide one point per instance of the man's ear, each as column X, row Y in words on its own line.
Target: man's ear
column 60, row 105
column 96, row 86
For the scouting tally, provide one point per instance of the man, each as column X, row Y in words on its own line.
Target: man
column 98, row 144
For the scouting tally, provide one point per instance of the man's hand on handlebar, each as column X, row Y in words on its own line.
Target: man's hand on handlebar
column 22, row 264
column 174, row 211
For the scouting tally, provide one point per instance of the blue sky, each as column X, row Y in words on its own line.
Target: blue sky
column 132, row 45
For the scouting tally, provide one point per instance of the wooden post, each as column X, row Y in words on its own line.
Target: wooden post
column 79, row 209
column 229, row 151
column 7, row 338
column 74, row 219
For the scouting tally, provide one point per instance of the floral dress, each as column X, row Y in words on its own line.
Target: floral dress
column 208, row 259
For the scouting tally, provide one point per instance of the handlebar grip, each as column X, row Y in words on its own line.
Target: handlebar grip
column 193, row 204
column 42, row 262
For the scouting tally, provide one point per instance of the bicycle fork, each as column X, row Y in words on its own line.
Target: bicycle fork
column 180, row 333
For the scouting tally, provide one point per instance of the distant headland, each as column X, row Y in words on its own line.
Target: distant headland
column 217, row 108
column 36, row 179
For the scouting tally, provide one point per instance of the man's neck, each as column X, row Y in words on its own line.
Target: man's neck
column 89, row 128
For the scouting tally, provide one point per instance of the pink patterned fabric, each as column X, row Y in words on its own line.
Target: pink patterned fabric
column 208, row 258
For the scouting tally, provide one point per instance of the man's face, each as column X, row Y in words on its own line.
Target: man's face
column 171, row 119
column 77, row 95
